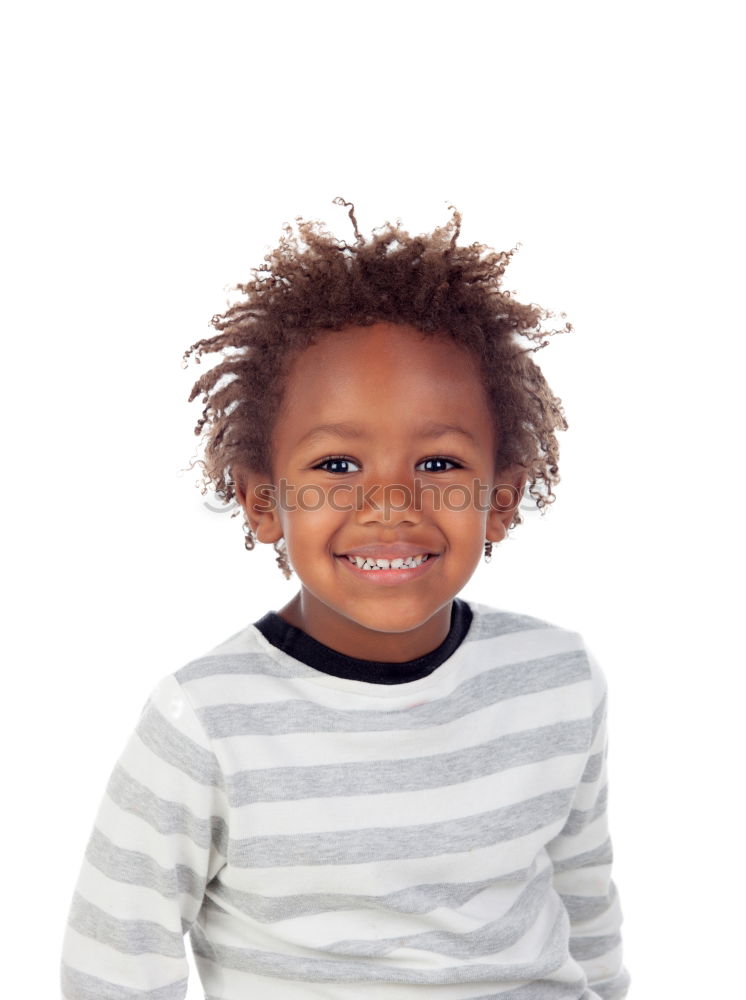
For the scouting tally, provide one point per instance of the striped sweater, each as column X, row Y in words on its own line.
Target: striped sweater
column 326, row 837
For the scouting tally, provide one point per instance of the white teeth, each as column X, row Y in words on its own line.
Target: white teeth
column 409, row 563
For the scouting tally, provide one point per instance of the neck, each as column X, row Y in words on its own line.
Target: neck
column 351, row 638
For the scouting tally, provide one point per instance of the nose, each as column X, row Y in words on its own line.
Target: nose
column 393, row 501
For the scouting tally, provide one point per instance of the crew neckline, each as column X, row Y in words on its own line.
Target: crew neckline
column 301, row 646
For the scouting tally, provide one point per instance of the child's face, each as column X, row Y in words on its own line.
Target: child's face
column 387, row 478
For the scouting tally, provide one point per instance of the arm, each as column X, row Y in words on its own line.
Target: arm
column 582, row 857
column 158, row 839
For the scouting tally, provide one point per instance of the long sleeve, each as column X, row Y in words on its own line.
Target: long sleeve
column 582, row 858
column 159, row 837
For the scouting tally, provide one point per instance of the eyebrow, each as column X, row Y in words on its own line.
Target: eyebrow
column 429, row 430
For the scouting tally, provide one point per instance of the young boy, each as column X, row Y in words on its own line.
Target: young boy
column 381, row 790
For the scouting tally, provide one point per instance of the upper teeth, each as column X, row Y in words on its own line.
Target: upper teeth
column 410, row 562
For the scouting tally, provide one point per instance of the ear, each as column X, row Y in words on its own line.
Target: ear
column 258, row 497
column 507, row 493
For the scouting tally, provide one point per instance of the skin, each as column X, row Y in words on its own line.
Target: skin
column 389, row 380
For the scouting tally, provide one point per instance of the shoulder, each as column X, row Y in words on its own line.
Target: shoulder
column 180, row 693
column 493, row 621
column 244, row 653
column 561, row 655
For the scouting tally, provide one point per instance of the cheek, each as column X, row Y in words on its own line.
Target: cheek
column 310, row 522
column 458, row 507
column 465, row 499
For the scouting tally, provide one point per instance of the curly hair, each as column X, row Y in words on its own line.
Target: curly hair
column 314, row 283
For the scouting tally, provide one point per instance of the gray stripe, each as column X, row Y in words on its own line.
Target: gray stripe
column 415, row 899
column 587, row 907
column 345, row 847
column 133, row 937
column 593, row 767
column 601, row 855
column 378, row 777
column 489, row 939
column 579, row 819
column 136, row 868
column 545, row 990
column 177, row 749
column 598, row 716
column 490, row 687
column 249, row 664
column 584, row 948
column 326, row 970
column 494, row 623
column 78, row 986
column 163, row 815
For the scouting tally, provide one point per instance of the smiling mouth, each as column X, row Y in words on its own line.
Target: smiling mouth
column 373, row 565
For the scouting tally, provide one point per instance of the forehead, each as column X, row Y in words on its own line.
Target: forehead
column 384, row 378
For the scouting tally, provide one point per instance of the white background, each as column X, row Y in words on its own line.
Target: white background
column 152, row 153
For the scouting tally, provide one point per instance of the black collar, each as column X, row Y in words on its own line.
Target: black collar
column 298, row 644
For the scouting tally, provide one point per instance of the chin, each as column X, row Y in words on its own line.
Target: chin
column 392, row 620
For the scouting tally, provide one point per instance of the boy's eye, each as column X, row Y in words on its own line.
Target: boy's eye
column 335, row 460
column 443, row 461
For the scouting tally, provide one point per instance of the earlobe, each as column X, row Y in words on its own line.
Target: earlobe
column 496, row 530
column 257, row 497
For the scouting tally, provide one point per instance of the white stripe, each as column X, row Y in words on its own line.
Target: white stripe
column 219, row 982
column 132, row 833
column 587, row 881
column 170, row 783
column 142, row 972
column 129, row 902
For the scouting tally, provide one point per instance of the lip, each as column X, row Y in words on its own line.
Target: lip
column 389, row 577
